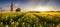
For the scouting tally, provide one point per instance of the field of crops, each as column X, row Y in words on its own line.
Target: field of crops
column 20, row 19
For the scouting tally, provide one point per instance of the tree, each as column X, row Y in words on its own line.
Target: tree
column 18, row 9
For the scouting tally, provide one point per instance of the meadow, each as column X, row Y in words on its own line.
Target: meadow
column 28, row 19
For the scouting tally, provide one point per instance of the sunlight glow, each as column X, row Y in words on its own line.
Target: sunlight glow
column 42, row 9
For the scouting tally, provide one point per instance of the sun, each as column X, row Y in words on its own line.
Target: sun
column 42, row 9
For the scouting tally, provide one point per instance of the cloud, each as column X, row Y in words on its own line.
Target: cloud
column 16, row 5
column 33, row 4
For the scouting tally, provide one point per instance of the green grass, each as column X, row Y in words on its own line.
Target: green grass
column 21, row 19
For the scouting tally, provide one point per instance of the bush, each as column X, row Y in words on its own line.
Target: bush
column 18, row 10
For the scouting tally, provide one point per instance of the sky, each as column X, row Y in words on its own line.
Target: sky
column 31, row 5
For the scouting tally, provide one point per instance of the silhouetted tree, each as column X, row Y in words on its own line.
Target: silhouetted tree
column 18, row 9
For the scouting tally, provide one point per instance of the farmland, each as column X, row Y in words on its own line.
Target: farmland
column 27, row 19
